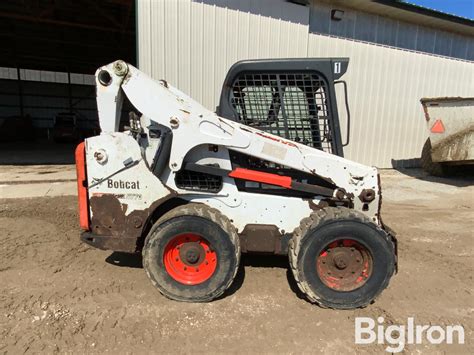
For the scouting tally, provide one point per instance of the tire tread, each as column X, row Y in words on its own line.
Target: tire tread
column 428, row 165
column 317, row 219
column 211, row 214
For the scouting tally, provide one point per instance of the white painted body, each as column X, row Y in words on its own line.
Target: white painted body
column 194, row 128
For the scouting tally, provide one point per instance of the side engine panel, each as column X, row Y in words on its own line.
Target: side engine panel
column 123, row 192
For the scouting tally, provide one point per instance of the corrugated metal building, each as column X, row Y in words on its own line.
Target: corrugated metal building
column 398, row 54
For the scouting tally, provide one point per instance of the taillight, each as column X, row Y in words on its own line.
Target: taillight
column 81, row 186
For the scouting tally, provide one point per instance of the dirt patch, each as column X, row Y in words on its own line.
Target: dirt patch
column 59, row 295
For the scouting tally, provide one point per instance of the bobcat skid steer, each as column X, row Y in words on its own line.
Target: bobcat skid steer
column 192, row 190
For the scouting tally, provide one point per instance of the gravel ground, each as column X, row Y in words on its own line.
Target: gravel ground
column 58, row 295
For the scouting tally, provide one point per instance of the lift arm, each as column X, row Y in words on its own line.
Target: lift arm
column 194, row 125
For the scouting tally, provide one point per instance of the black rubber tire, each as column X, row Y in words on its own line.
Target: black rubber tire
column 432, row 168
column 219, row 232
column 325, row 226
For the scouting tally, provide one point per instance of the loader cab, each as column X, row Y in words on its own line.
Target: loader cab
column 291, row 98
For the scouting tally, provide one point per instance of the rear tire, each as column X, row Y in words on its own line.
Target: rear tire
column 192, row 253
column 359, row 268
column 432, row 168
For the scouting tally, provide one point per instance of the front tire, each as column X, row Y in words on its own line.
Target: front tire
column 340, row 259
column 192, row 254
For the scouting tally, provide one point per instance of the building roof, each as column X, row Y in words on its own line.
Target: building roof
column 407, row 5
column 405, row 11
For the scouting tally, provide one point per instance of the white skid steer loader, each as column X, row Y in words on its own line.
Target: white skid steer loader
column 192, row 190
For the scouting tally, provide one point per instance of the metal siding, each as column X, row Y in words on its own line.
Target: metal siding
column 443, row 43
column 426, row 40
column 459, row 46
column 364, row 27
column 387, row 31
column 470, row 50
column 385, row 86
column 407, row 36
column 196, row 61
column 193, row 43
column 344, row 28
column 320, row 19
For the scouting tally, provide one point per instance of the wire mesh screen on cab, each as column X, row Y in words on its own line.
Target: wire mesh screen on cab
column 291, row 105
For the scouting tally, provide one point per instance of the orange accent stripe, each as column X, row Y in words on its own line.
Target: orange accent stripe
column 81, row 186
column 258, row 176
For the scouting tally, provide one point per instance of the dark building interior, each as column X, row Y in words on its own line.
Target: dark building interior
column 49, row 53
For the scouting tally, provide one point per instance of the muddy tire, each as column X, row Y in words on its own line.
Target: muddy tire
column 432, row 168
column 340, row 259
column 192, row 253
